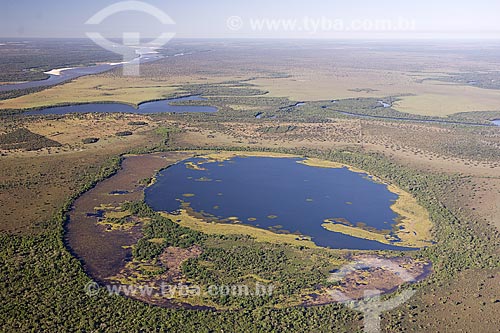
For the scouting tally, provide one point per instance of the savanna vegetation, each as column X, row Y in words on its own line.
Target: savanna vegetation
column 22, row 138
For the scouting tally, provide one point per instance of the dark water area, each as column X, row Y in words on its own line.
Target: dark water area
column 74, row 73
column 144, row 108
column 496, row 122
column 280, row 194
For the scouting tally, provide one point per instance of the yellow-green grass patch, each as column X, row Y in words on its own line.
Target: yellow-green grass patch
column 260, row 235
column 90, row 89
column 355, row 232
column 414, row 225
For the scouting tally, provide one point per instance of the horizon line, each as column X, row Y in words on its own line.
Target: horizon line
column 312, row 38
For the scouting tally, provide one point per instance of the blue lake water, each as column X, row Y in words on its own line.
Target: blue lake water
column 496, row 122
column 144, row 108
column 281, row 193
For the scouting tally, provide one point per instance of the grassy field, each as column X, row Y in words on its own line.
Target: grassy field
column 433, row 98
column 261, row 235
column 428, row 98
column 356, row 232
column 95, row 88
column 414, row 226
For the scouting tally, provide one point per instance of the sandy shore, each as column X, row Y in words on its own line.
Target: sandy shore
column 57, row 71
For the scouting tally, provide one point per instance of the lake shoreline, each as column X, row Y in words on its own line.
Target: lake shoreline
column 148, row 107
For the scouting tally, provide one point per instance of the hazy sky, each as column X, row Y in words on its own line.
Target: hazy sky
column 232, row 18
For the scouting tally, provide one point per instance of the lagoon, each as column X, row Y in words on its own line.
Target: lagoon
column 143, row 108
column 278, row 194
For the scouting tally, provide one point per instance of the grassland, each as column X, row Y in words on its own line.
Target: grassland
column 70, row 132
column 356, row 232
column 24, row 139
column 412, row 95
column 316, row 162
column 438, row 99
column 414, row 226
column 221, row 156
column 95, row 89
column 428, row 98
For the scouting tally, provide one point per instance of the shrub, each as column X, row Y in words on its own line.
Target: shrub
column 90, row 140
